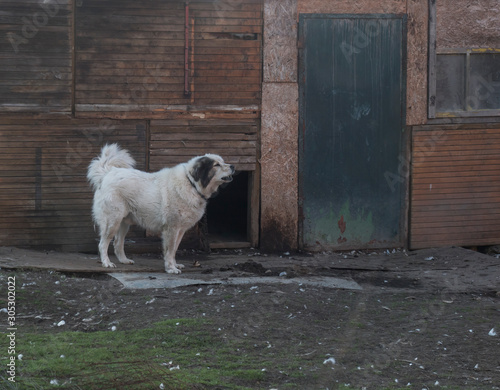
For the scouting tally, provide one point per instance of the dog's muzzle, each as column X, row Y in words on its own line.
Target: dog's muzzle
column 229, row 178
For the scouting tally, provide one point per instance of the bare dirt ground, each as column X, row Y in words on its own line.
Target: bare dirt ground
column 426, row 319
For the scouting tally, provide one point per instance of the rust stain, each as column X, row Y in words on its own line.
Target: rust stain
column 342, row 224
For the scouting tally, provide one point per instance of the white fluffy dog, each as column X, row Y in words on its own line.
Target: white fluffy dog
column 169, row 201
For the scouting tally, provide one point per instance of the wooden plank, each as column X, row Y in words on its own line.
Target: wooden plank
column 192, row 144
column 205, row 125
column 203, row 137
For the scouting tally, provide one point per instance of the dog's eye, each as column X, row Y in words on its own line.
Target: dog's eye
column 216, row 165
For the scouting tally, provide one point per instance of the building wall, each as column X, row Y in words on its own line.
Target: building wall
column 468, row 24
column 131, row 62
column 455, row 185
column 279, row 137
column 69, row 68
column 45, row 200
column 454, row 196
column 35, row 57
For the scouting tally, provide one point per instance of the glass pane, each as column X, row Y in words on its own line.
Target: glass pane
column 484, row 84
column 450, row 82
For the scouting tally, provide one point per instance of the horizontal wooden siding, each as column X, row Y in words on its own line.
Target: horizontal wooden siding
column 176, row 141
column 36, row 56
column 455, row 187
column 130, row 55
column 45, row 200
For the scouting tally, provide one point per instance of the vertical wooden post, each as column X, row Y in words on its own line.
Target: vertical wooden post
column 186, row 50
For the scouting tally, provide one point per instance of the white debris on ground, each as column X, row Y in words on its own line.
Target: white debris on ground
column 330, row 360
column 170, row 366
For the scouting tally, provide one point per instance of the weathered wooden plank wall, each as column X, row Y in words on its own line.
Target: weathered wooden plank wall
column 35, row 56
column 455, row 195
column 68, row 67
column 45, row 200
column 130, row 56
column 175, row 141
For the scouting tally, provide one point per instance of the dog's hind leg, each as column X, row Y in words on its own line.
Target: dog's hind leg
column 108, row 231
column 119, row 243
column 103, row 251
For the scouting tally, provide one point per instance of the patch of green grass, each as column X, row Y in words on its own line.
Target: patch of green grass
column 138, row 359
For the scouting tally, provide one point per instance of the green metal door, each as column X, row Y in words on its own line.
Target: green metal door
column 352, row 122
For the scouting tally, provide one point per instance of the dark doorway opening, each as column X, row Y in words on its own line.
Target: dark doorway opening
column 227, row 214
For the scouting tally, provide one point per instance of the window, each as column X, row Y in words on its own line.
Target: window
column 464, row 60
column 467, row 83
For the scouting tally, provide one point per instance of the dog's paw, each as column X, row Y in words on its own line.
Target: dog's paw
column 173, row 270
column 109, row 264
column 180, row 266
column 127, row 261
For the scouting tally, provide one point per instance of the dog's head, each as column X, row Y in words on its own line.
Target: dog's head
column 209, row 172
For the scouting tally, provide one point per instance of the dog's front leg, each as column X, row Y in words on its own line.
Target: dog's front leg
column 178, row 240
column 169, row 238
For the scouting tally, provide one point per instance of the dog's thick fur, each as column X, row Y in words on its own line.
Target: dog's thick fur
column 169, row 201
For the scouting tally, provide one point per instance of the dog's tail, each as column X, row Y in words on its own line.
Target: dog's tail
column 111, row 156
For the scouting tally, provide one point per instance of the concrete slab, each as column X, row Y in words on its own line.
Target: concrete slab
column 162, row 280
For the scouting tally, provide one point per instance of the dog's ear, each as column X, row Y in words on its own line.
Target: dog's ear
column 202, row 170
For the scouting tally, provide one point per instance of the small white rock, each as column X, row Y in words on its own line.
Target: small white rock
column 492, row 332
column 61, row 323
column 20, row 356
column 54, row 382
column 113, row 328
column 283, row 274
